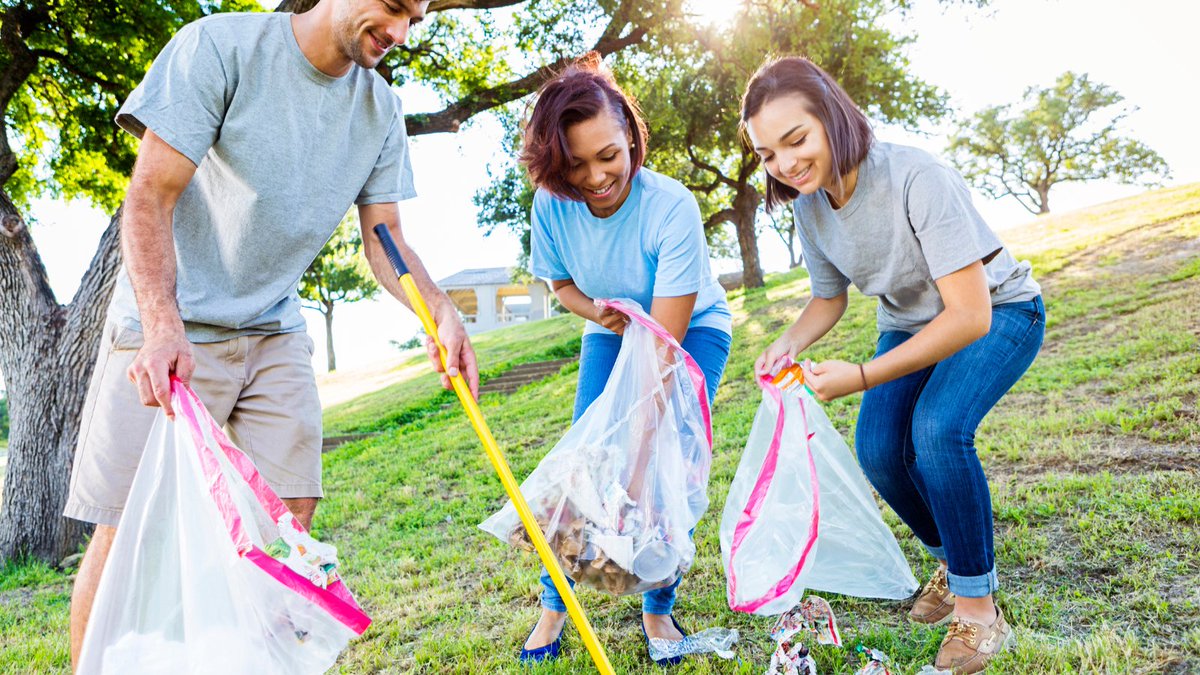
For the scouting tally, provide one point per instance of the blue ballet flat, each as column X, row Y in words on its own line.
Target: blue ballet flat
column 672, row 660
column 546, row 653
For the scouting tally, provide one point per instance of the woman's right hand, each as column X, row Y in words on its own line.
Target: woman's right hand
column 774, row 355
column 611, row 319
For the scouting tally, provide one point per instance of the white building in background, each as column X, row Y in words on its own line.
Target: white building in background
column 488, row 298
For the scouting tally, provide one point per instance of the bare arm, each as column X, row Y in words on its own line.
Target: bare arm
column 459, row 352
column 966, row 318
column 577, row 303
column 818, row 317
column 674, row 313
column 147, row 244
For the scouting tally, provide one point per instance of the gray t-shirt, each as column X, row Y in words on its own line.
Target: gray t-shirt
column 909, row 222
column 282, row 152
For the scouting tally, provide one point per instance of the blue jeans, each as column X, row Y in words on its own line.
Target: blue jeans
column 916, row 441
column 710, row 348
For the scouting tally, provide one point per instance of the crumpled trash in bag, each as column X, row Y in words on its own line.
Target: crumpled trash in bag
column 718, row 641
column 792, row 659
column 812, row 615
column 931, row 670
column 619, row 494
column 876, row 662
column 302, row 554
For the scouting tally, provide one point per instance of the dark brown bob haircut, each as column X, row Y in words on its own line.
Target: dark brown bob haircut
column 579, row 93
column 849, row 132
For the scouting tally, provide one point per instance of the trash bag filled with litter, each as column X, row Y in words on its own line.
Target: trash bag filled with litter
column 619, row 494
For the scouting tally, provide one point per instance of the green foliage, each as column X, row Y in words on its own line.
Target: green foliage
column 86, row 57
column 1055, row 138
column 3, row 418
column 340, row 273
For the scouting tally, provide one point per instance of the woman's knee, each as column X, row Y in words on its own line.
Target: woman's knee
column 941, row 435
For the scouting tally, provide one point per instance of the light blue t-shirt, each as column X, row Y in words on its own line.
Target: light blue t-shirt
column 282, row 150
column 653, row 246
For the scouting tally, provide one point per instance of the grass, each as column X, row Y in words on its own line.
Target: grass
column 1092, row 460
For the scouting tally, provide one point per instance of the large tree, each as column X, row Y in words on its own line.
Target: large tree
column 689, row 80
column 339, row 274
column 1064, row 133
column 65, row 67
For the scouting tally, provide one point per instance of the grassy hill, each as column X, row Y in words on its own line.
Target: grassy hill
column 1092, row 460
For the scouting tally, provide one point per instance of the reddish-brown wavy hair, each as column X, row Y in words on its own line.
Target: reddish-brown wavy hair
column 577, row 94
column 848, row 130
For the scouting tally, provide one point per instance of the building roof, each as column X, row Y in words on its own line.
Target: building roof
column 480, row 276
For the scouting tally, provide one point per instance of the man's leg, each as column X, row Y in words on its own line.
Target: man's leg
column 86, row 582
column 303, row 509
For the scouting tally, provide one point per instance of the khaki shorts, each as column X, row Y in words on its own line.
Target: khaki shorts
column 260, row 387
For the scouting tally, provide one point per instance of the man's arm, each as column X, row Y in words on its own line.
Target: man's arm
column 147, row 243
column 459, row 352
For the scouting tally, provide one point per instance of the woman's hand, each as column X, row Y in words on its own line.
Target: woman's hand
column 611, row 319
column 774, row 356
column 833, row 379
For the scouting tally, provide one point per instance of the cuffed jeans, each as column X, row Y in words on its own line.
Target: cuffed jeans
column 916, row 441
column 710, row 348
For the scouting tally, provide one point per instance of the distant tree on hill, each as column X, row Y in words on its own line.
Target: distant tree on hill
column 1055, row 139
column 339, row 274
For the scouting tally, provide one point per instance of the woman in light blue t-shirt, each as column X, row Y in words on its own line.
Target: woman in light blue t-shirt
column 606, row 227
column 960, row 320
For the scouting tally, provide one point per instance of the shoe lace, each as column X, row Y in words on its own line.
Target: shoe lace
column 938, row 583
column 961, row 630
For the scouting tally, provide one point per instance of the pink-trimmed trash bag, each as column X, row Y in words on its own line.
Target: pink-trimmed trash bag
column 209, row 572
column 801, row 516
column 619, row 494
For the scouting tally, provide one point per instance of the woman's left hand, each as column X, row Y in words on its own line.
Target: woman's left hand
column 829, row 380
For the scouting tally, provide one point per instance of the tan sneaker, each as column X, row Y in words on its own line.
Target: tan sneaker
column 935, row 604
column 969, row 646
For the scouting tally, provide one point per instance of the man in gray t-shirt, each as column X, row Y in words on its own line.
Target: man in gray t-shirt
column 258, row 132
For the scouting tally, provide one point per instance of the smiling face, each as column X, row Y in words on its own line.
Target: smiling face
column 600, row 166
column 793, row 145
column 366, row 30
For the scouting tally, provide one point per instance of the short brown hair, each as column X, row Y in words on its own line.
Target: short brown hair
column 577, row 94
column 847, row 128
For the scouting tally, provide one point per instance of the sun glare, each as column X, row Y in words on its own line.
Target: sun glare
column 713, row 11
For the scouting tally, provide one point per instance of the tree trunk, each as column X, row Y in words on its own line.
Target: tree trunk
column 745, row 207
column 1043, row 199
column 329, row 337
column 47, row 351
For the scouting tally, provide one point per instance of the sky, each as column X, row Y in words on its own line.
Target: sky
column 1146, row 51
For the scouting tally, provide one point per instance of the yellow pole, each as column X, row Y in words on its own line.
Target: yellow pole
column 574, row 609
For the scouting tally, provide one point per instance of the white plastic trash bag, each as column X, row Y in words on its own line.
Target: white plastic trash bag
column 619, row 494
column 209, row 572
column 800, row 515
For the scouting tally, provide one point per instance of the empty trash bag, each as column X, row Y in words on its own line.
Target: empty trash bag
column 619, row 494
column 800, row 515
column 209, row 572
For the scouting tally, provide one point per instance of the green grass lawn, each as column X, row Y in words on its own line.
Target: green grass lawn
column 1092, row 460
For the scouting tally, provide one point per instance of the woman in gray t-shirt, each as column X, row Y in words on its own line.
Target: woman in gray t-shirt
column 960, row 320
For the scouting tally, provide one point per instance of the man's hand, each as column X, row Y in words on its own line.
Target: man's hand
column 832, row 379
column 612, row 320
column 460, row 355
column 160, row 357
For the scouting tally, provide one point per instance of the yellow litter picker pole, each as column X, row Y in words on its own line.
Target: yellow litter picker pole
column 574, row 609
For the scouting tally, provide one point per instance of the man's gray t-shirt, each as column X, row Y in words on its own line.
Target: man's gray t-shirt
column 282, row 152
column 909, row 222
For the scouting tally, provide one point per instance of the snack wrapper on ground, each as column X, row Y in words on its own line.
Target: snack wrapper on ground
column 812, row 616
column 876, row 662
column 618, row 496
column 792, row 659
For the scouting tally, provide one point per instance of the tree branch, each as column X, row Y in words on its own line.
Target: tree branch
column 22, row 63
column 449, row 119
column 443, row 5
column 722, row 216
